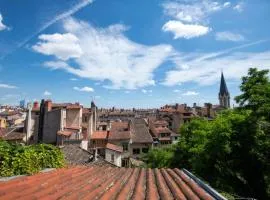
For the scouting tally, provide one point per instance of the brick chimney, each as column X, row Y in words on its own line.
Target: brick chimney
column 48, row 105
column 36, row 105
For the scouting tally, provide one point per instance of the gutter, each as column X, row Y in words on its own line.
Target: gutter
column 205, row 186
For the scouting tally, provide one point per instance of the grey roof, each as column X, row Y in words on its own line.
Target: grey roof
column 140, row 133
column 75, row 155
column 223, row 87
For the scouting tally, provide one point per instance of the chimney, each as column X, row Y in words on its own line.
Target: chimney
column 208, row 109
column 109, row 125
column 176, row 106
column 36, row 105
column 95, row 154
column 29, row 119
column 194, row 105
column 48, row 105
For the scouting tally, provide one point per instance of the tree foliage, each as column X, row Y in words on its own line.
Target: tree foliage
column 17, row 159
column 231, row 152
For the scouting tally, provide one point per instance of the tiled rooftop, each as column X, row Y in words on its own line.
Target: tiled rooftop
column 140, row 132
column 74, row 155
column 102, row 135
column 82, row 182
column 157, row 131
column 114, row 147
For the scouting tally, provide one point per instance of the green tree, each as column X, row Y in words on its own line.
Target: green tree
column 231, row 152
column 255, row 96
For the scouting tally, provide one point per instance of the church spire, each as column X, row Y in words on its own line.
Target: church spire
column 224, row 95
column 223, row 87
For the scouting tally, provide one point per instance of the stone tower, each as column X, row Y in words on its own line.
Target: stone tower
column 223, row 95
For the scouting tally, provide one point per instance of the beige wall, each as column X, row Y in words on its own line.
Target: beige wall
column 73, row 117
column 3, row 123
column 177, row 122
column 138, row 146
column 117, row 157
column 34, row 126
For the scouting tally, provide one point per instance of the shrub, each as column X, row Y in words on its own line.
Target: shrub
column 17, row 159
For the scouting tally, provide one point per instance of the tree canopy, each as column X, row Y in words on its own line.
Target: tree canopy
column 231, row 152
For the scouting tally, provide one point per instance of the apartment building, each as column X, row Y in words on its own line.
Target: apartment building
column 58, row 123
column 161, row 134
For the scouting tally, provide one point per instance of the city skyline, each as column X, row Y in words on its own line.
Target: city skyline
column 127, row 54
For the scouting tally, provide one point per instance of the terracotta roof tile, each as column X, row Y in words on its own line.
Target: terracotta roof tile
column 114, row 147
column 119, row 131
column 121, row 135
column 82, row 182
column 86, row 110
column 157, row 131
column 102, row 135
column 65, row 132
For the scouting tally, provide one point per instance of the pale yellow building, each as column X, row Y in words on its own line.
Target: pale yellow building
column 3, row 123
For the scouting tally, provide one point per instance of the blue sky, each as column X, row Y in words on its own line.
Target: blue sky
column 129, row 53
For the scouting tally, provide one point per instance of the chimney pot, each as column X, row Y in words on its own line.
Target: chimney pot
column 36, row 104
column 48, row 105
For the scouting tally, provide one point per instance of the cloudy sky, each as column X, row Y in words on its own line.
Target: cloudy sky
column 129, row 53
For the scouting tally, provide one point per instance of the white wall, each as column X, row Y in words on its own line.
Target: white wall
column 117, row 157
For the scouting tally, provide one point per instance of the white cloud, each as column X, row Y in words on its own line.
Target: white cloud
column 109, row 55
column 63, row 46
column 229, row 36
column 2, row 85
column 195, row 11
column 239, row 7
column 74, row 8
column 47, row 93
column 191, row 18
column 190, row 93
column 73, row 79
column 186, row 31
column 176, row 91
column 205, row 68
column 146, row 91
column 227, row 4
column 2, row 25
column 84, row 89
column 127, row 91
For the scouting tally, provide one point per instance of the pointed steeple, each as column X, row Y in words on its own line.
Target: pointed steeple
column 223, row 95
column 223, row 87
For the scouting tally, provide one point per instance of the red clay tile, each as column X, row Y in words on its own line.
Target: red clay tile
column 81, row 182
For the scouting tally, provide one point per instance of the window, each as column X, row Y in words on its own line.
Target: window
column 125, row 146
column 136, row 151
column 145, row 150
column 112, row 158
column 125, row 162
column 85, row 119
